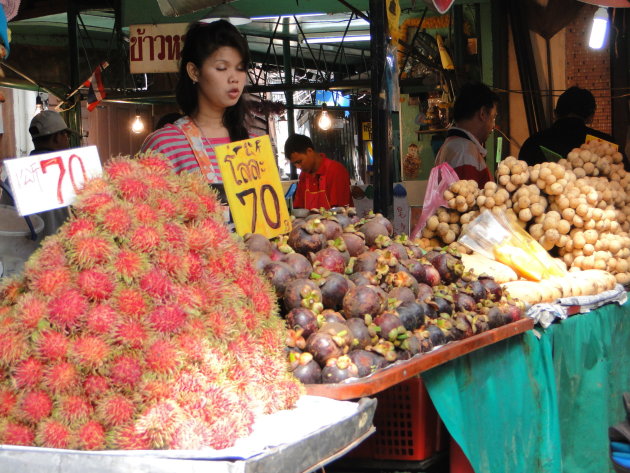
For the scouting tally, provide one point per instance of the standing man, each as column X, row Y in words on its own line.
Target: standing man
column 50, row 133
column 323, row 182
column 574, row 111
column 474, row 112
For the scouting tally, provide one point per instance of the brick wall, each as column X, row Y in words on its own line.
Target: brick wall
column 588, row 68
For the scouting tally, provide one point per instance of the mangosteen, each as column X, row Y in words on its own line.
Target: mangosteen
column 334, row 287
column 476, row 289
column 307, row 370
column 259, row 259
column 329, row 315
column 386, row 349
column 424, row 339
column 294, row 339
column 332, row 229
column 323, row 347
column 464, row 302
column 415, row 250
column 365, row 361
column 303, row 318
column 402, row 294
column 399, row 251
column 431, row 276
column 462, row 328
column 372, row 229
column 329, row 258
column 308, row 237
column 402, row 279
column 493, row 289
column 300, row 264
column 340, row 333
column 355, row 242
column 496, row 317
column 366, row 262
column 443, row 303
column 411, row 314
column 436, row 335
column 390, row 324
column 372, row 217
column 429, row 309
column 449, row 267
column 361, row 336
column 425, row 292
column 411, row 345
column 303, row 293
column 280, row 274
column 361, row 300
column 365, row 278
column 337, row 370
column 414, row 267
column 258, row 242
column 511, row 312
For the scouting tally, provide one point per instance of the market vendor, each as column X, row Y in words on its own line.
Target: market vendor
column 212, row 76
column 474, row 112
column 574, row 111
column 323, row 182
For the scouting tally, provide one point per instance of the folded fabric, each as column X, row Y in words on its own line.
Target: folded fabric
column 625, row 462
column 620, row 447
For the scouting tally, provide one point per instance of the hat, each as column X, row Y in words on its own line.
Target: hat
column 46, row 123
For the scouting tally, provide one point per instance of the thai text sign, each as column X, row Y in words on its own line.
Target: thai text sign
column 366, row 131
column 50, row 181
column 252, row 186
column 155, row 48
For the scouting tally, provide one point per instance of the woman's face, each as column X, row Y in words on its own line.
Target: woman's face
column 221, row 79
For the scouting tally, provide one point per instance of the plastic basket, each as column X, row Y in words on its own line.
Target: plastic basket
column 407, row 425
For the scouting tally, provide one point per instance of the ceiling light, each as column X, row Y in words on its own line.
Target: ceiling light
column 599, row 29
column 137, row 126
column 324, row 122
column 228, row 13
column 334, row 37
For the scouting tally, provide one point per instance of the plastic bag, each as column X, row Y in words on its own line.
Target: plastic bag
column 499, row 238
column 440, row 179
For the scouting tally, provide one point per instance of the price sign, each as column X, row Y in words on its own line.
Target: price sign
column 252, row 186
column 590, row 138
column 366, row 131
column 50, row 181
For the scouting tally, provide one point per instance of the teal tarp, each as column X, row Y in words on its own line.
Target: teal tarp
column 539, row 405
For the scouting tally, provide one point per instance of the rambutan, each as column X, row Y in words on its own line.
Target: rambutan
column 189, row 381
column 95, row 386
column 155, row 164
column 17, row 434
column 91, row 436
column 92, row 204
column 77, row 226
column 190, row 207
column 95, row 284
column 8, row 401
column 156, row 283
column 53, row 434
column 174, row 234
column 191, row 433
column 172, row 263
column 167, row 319
column 116, row 220
column 73, row 408
column 126, row 371
column 133, row 189
column 130, row 265
column 48, row 281
column 160, row 422
column 61, row 377
column 117, row 168
column 35, row 406
column 145, row 239
column 127, row 438
column 28, row 373
column 11, row 288
column 131, row 334
column 157, row 183
column 30, row 311
column 162, row 356
column 87, row 251
column 209, row 204
column 131, row 301
column 167, row 208
column 89, row 351
column 101, row 319
column 192, row 346
column 67, row 308
column 115, row 409
column 145, row 213
column 52, row 345
column 156, row 388
column 13, row 346
column 51, row 254
column 225, row 430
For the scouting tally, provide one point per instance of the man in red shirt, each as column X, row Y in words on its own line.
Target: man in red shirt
column 322, row 182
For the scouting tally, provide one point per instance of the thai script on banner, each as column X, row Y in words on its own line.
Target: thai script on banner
column 155, row 48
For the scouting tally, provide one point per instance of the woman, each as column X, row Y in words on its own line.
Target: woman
column 212, row 75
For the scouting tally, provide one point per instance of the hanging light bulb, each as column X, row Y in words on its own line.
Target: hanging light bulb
column 138, row 125
column 324, row 122
column 599, row 29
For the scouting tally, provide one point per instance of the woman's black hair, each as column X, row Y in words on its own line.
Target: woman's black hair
column 201, row 41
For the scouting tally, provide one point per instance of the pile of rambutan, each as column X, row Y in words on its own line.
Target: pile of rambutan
column 141, row 324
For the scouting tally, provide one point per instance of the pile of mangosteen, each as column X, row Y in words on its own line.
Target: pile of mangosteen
column 357, row 298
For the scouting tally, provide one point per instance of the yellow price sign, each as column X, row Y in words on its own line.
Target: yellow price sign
column 590, row 138
column 366, row 131
column 252, row 186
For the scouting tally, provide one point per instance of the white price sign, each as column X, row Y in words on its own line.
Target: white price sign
column 50, row 181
